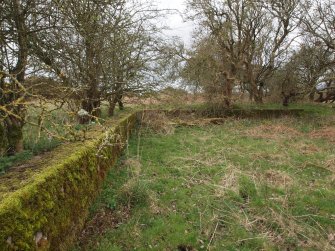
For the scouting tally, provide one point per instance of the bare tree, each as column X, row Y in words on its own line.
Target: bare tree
column 320, row 22
column 311, row 64
column 202, row 70
column 74, row 50
column 133, row 53
column 100, row 49
column 252, row 37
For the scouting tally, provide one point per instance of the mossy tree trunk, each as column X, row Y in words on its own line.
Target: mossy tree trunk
column 116, row 98
column 121, row 105
column 3, row 131
column 111, row 108
column 11, row 124
column 3, row 140
column 14, row 135
column 13, row 95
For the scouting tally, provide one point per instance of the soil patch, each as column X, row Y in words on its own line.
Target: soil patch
column 103, row 221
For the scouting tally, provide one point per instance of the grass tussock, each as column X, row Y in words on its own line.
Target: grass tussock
column 157, row 122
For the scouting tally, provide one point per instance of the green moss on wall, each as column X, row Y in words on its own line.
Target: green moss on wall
column 48, row 211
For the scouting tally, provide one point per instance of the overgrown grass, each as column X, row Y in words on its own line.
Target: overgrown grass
column 244, row 185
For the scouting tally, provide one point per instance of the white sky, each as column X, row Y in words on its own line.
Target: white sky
column 178, row 26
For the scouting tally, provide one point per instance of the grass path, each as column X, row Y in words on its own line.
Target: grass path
column 243, row 185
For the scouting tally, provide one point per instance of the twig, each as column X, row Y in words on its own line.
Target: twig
column 211, row 240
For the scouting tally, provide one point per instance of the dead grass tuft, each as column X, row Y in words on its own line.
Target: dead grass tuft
column 327, row 133
column 154, row 205
column 273, row 132
column 158, row 122
column 229, row 181
column 134, row 165
column 288, row 227
column 200, row 121
column 330, row 164
column 277, row 178
column 307, row 149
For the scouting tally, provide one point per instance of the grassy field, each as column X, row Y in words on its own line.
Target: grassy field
column 242, row 185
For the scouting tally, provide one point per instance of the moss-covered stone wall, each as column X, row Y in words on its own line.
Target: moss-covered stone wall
column 238, row 113
column 50, row 209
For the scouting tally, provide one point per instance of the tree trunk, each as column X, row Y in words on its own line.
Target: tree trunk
column 91, row 103
column 14, row 135
column 225, row 83
column 260, row 93
column 257, row 91
column 116, row 99
column 254, row 90
column 311, row 96
column 92, row 106
column 112, row 104
column 3, row 140
column 11, row 128
column 258, row 98
column 14, row 124
column 251, row 96
column 119, row 101
column 228, row 92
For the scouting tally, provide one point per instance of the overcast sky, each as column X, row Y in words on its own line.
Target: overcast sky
column 178, row 26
